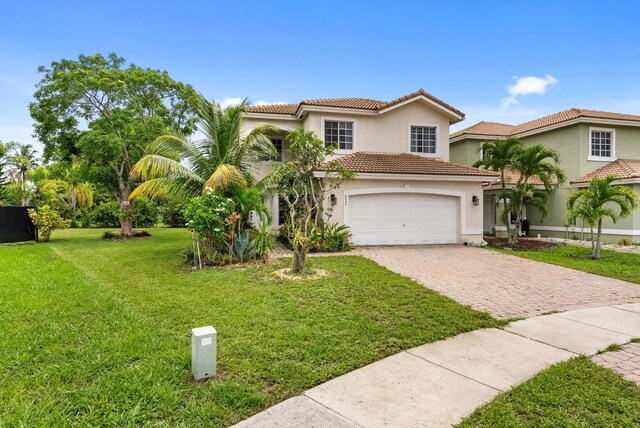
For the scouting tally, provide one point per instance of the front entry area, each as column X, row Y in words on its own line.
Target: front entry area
column 403, row 218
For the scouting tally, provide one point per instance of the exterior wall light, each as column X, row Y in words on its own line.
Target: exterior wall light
column 475, row 200
column 334, row 200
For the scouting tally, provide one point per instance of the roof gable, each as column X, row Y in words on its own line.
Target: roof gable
column 364, row 104
column 564, row 117
column 626, row 169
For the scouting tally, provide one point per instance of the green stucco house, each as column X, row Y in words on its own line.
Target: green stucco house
column 591, row 143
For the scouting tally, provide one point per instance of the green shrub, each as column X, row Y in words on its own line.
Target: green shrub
column 107, row 214
column 173, row 215
column 624, row 242
column 47, row 220
column 207, row 216
column 117, row 236
column 143, row 213
column 330, row 237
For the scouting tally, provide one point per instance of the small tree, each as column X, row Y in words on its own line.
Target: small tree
column 303, row 192
column 497, row 155
column 597, row 202
column 47, row 220
column 528, row 163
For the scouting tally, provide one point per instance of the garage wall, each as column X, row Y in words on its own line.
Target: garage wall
column 470, row 230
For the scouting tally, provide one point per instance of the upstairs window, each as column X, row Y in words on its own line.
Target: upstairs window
column 338, row 134
column 602, row 144
column 277, row 143
column 423, row 139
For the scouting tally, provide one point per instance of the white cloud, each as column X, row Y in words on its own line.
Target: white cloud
column 526, row 86
column 226, row 102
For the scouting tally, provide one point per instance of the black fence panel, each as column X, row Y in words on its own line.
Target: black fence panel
column 15, row 224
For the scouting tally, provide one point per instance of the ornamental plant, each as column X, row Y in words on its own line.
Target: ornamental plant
column 47, row 220
column 208, row 215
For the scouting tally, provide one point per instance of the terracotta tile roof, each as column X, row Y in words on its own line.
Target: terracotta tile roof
column 502, row 130
column 624, row 168
column 511, row 178
column 274, row 109
column 405, row 163
column 358, row 103
column 355, row 103
column 426, row 95
column 490, row 129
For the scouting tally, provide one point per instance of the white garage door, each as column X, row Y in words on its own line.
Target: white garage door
column 403, row 219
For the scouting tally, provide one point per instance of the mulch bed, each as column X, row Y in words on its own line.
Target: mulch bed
column 524, row 244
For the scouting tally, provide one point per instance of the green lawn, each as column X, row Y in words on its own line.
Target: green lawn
column 614, row 264
column 98, row 333
column 574, row 393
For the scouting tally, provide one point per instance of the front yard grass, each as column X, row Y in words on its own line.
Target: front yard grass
column 97, row 332
column 613, row 264
column 574, row 393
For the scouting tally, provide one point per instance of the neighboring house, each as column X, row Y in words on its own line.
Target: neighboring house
column 591, row 144
column 405, row 191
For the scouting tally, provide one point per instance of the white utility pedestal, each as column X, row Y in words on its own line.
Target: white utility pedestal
column 203, row 352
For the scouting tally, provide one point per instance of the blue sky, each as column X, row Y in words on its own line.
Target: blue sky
column 505, row 61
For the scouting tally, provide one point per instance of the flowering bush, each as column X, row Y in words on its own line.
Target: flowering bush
column 208, row 215
column 47, row 220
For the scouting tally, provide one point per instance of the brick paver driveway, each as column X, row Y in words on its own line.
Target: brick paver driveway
column 506, row 286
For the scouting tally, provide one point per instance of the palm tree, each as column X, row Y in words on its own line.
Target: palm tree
column 497, row 155
column 174, row 166
column 532, row 162
column 597, row 202
column 21, row 160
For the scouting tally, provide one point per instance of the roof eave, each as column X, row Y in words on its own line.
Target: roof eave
column 416, row 177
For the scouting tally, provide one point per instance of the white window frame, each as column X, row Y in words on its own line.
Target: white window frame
column 354, row 123
column 437, row 153
column 613, row 145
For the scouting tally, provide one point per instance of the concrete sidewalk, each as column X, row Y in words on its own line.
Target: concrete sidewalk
column 438, row 384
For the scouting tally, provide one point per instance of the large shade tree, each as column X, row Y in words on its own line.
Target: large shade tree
column 104, row 113
column 177, row 168
column 599, row 201
column 497, row 155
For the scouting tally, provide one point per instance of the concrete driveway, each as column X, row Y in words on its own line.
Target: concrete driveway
column 506, row 286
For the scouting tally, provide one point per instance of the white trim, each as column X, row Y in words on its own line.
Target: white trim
column 613, row 183
column 475, row 136
column 408, row 189
column 422, row 97
column 620, row 122
column 611, row 158
column 438, row 152
column 253, row 115
column 411, row 177
column 354, row 122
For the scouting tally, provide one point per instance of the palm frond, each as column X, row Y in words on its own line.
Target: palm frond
column 223, row 176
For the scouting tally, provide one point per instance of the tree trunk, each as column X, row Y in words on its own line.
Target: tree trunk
column 126, row 222
column 299, row 259
column 596, row 254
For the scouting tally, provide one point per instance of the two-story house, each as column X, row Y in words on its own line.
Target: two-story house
column 405, row 190
column 590, row 143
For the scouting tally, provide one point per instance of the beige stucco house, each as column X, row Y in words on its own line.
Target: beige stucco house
column 590, row 143
column 406, row 192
